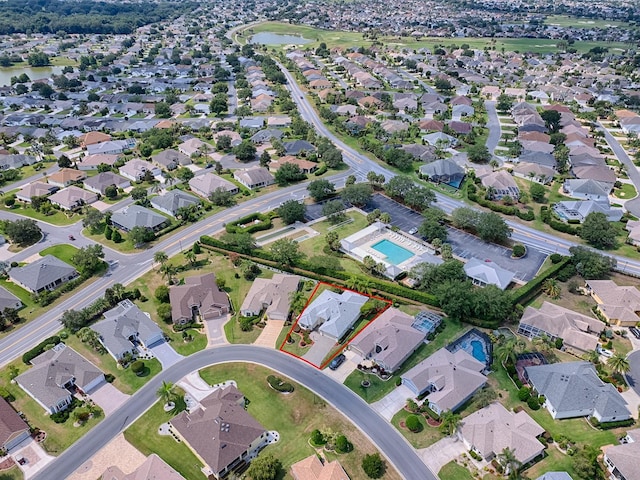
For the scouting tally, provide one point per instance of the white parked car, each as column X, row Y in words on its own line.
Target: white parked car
column 413, row 231
column 604, row 352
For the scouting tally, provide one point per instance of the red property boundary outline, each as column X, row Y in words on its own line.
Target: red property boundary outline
column 344, row 347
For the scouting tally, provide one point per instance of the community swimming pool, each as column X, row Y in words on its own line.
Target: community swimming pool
column 395, row 253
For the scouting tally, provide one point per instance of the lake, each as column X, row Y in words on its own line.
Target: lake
column 268, row 38
column 34, row 73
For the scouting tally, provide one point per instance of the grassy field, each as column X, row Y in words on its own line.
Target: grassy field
column 125, row 380
column 453, row 471
column 14, row 473
column 294, row 416
column 350, row 39
column 62, row 252
column 380, row 388
column 59, row 435
column 578, row 22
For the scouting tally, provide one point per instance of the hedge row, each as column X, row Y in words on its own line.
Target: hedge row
column 528, row 291
column 609, row 425
column 496, row 207
column 49, row 296
column 172, row 226
column 40, row 348
column 240, row 225
column 321, row 273
column 547, row 218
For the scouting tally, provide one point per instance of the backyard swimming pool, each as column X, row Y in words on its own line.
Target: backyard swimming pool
column 395, row 253
column 474, row 343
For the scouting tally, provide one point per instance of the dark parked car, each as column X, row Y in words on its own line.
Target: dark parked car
column 635, row 331
column 336, row 362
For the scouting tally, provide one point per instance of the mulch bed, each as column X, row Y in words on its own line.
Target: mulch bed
column 7, row 463
column 432, row 423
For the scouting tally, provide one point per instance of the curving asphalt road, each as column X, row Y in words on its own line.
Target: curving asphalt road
column 391, row 443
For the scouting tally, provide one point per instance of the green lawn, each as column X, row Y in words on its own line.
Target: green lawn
column 627, row 191
column 554, row 461
column 62, row 252
column 14, row 473
column 453, row 471
column 59, row 435
column 143, row 435
column 426, row 437
column 579, row 22
column 57, row 217
column 380, row 388
column 294, row 416
column 125, row 380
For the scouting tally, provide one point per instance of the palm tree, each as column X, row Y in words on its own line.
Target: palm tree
column 160, row 257
column 511, row 464
column 190, row 256
column 297, row 300
column 506, row 351
column 359, row 284
column 165, row 392
column 450, row 422
column 592, row 356
column 551, row 288
column 168, row 271
column 619, row 363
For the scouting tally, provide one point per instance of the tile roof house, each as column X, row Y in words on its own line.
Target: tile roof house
column 492, row 429
column 449, row 378
column 193, row 145
column 100, row 182
column 573, row 389
column 54, row 375
column 153, row 468
column 306, row 166
column 255, row 177
column 136, row 169
column 483, row 273
column 13, row 429
column 389, row 340
column 311, row 468
column 271, row 295
column 171, row 159
column 91, row 162
column 334, row 313
column 138, row 216
column 72, row 197
column 619, row 305
column 173, row 200
column 220, row 432
column 47, row 273
column 111, row 147
column 207, row 183
column 92, row 138
column 199, row 296
column 9, row 300
column 579, row 332
column 622, row 460
column 35, row 189
column 66, row 177
column 125, row 326
column 502, row 184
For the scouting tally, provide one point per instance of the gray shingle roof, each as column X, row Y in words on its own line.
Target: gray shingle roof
column 137, row 216
column 43, row 272
column 173, row 200
column 105, row 179
column 8, row 299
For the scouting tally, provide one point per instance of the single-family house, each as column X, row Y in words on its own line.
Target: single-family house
column 138, row 216
column 273, row 296
column 13, row 429
column 306, row 166
column 540, row 158
column 136, row 169
column 47, row 273
column 573, row 389
column 267, row 135
column 92, row 162
column 333, row 313
column 587, row 189
column 9, row 300
column 580, row 209
column 153, row 468
column 555, row 476
column 207, row 183
column 439, row 139
column 111, row 147
column 619, row 305
column 194, row 146
column 492, row 429
column 56, row 375
column 100, row 182
column 534, row 172
column 220, row 432
column 483, row 273
column 125, row 328
column 633, row 227
column 598, row 172
column 172, row 201
column 501, row 184
column 171, row 159
column 35, row 189
column 199, row 296
column 91, row 138
column 296, row 147
column 388, row 341
column 255, row 177
column 622, row 460
column 65, row 177
column 311, row 468
column 72, row 197
column 450, row 379
column 578, row 332
column 443, row 171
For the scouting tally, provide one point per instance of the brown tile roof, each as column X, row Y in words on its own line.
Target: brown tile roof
column 202, row 292
column 11, row 424
column 92, row 138
column 311, row 468
column 66, row 175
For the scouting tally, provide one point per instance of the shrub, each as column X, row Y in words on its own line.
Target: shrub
column 413, row 423
column 60, row 417
column 41, row 347
column 555, row 258
column 373, row 465
column 279, row 385
column 559, row 342
column 398, row 381
column 249, row 224
column 137, row 367
column 342, row 445
column 317, row 438
column 524, row 394
column 162, row 294
column 533, row 403
column 6, row 394
column 475, row 455
column 609, row 425
column 519, row 250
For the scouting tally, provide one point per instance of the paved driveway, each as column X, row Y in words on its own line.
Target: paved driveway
column 344, row 370
column 320, row 348
column 270, row 333
column 393, row 402
column 214, row 328
column 165, row 354
column 36, row 458
column 108, row 398
column 442, row 452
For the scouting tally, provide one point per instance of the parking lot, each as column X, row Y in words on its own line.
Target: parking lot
column 464, row 245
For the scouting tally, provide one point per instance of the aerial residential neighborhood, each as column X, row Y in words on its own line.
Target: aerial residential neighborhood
column 319, row 240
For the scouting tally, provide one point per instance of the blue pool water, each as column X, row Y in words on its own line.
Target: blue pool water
column 395, row 253
column 478, row 351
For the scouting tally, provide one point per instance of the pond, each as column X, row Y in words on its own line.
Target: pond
column 34, row 73
column 269, row 38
